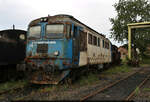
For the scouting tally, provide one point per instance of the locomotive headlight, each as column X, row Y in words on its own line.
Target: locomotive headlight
column 22, row 36
column 45, row 19
column 56, row 53
column 41, row 19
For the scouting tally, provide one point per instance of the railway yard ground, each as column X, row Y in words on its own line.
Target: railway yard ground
column 94, row 86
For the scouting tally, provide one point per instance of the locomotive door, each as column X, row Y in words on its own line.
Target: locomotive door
column 75, row 45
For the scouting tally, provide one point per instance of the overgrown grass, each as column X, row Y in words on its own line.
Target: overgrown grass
column 146, row 89
column 89, row 79
column 12, row 84
column 145, row 60
column 47, row 89
column 118, row 69
column 137, row 90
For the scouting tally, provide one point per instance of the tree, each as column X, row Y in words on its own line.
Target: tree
column 131, row 11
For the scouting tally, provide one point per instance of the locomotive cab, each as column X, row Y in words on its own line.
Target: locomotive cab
column 52, row 47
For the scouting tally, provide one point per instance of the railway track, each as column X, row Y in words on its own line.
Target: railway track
column 122, row 89
column 133, row 93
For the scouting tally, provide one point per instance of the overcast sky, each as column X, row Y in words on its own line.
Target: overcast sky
column 94, row 13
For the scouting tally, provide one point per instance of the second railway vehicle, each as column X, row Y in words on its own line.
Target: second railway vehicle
column 57, row 45
column 12, row 51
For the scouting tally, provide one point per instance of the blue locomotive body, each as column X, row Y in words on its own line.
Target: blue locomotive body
column 52, row 47
column 59, row 51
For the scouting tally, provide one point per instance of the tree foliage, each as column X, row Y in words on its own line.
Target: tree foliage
column 131, row 11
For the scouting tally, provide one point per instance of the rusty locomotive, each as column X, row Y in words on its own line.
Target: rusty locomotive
column 12, row 51
column 58, row 45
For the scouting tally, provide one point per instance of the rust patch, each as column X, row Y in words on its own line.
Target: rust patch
column 43, row 82
column 65, row 63
column 41, row 78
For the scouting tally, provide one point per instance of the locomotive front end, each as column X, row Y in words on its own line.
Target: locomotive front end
column 49, row 51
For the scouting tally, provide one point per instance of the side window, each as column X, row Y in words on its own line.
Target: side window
column 68, row 29
column 94, row 40
column 74, row 31
column 83, row 41
column 107, row 45
column 90, row 38
column 98, row 42
column 103, row 44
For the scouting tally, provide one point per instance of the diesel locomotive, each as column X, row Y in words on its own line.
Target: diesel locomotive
column 12, row 51
column 59, row 44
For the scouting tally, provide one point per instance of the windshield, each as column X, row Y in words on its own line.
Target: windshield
column 55, row 30
column 35, row 31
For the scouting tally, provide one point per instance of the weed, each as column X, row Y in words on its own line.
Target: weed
column 145, row 60
column 65, row 87
column 47, row 89
column 2, row 97
column 87, row 80
column 12, row 84
column 137, row 91
column 118, row 69
column 146, row 89
column 20, row 98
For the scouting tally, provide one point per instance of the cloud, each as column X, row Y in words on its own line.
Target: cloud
column 15, row 12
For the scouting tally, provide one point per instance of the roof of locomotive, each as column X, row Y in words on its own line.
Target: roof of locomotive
column 36, row 21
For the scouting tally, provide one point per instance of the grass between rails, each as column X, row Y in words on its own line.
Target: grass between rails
column 137, row 91
column 12, row 84
column 145, row 61
column 94, row 77
column 118, row 69
column 146, row 89
column 89, row 79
